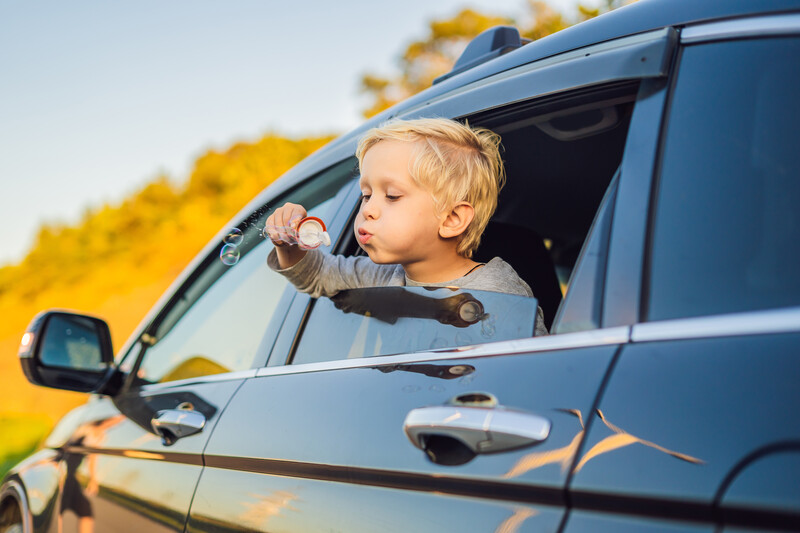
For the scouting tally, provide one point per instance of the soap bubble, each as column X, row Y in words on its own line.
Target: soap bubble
column 234, row 237
column 488, row 328
column 229, row 255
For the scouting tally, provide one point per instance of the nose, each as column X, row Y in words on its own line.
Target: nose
column 369, row 209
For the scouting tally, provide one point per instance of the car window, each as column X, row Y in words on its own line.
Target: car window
column 219, row 321
column 560, row 153
column 389, row 320
column 726, row 234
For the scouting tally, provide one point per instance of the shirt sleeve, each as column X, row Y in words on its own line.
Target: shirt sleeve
column 320, row 274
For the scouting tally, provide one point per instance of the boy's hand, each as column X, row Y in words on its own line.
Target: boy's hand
column 288, row 215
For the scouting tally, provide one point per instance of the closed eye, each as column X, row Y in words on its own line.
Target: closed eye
column 364, row 198
column 392, row 198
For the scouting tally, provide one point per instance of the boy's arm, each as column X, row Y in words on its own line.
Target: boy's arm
column 320, row 274
column 288, row 256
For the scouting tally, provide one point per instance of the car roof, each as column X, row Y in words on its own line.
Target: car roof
column 638, row 17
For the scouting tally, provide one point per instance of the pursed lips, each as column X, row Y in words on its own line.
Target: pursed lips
column 363, row 235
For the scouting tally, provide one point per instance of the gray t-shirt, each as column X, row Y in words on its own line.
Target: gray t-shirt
column 320, row 274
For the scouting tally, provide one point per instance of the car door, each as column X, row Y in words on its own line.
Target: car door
column 695, row 430
column 134, row 461
column 328, row 444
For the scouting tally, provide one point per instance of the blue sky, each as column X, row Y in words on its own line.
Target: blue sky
column 97, row 98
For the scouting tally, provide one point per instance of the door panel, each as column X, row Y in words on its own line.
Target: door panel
column 272, row 503
column 679, row 418
column 313, row 436
column 119, row 476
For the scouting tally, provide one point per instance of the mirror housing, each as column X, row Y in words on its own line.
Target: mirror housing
column 69, row 351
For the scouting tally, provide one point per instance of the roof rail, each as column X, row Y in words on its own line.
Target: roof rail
column 489, row 44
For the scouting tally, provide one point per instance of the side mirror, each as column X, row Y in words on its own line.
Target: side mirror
column 64, row 350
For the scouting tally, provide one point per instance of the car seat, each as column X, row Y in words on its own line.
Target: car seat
column 524, row 249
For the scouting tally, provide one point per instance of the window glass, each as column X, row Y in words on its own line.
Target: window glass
column 218, row 323
column 727, row 227
column 389, row 320
column 581, row 308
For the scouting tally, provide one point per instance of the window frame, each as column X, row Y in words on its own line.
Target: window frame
column 645, row 57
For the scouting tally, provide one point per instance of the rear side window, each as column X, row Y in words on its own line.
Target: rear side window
column 726, row 234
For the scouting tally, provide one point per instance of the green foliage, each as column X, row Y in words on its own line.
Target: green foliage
column 426, row 59
column 20, row 435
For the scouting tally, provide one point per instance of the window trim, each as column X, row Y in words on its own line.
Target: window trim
column 760, row 26
column 582, row 339
column 771, row 321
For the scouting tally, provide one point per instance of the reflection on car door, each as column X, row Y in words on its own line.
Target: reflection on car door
column 325, row 446
column 119, row 476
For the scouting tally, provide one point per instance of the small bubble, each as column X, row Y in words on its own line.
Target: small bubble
column 234, row 237
column 229, row 255
column 488, row 328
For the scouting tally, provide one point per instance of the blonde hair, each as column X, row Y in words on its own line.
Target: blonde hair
column 455, row 162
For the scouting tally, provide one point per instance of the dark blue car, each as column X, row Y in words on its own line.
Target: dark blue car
column 653, row 205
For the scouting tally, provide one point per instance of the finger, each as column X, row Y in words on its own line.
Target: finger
column 287, row 212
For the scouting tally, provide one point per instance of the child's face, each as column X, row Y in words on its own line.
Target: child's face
column 397, row 221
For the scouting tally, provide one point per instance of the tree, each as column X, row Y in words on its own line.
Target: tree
column 426, row 59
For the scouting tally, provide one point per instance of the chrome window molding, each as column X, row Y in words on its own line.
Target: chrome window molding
column 583, row 339
column 213, row 378
column 762, row 26
column 750, row 323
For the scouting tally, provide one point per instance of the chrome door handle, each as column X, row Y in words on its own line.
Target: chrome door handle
column 481, row 429
column 173, row 424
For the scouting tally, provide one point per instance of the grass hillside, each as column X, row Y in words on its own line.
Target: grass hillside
column 116, row 262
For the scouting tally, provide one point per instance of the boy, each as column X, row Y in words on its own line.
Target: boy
column 429, row 187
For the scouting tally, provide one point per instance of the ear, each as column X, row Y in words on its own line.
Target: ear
column 457, row 220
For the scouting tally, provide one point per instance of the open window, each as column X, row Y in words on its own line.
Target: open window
column 561, row 154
